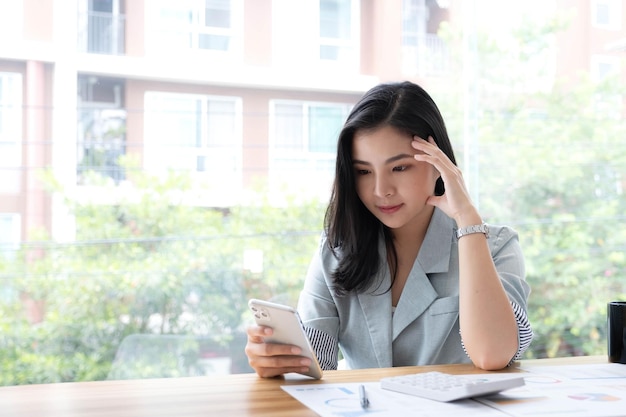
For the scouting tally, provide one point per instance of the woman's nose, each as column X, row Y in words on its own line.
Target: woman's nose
column 383, row 187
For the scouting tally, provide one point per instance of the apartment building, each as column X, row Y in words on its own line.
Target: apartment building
column 234, row 91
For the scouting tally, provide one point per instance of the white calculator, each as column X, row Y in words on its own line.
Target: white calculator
column 445, row 387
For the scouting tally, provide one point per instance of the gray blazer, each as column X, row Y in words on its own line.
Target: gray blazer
column 425, row 326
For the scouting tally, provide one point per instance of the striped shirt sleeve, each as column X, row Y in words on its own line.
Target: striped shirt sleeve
column 524, row 332
column 326, row 348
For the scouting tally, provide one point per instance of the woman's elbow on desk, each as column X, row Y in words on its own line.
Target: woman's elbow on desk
column 490, row 360
column 490, row 364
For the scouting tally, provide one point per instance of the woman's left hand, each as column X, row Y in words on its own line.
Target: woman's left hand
column 455, row 202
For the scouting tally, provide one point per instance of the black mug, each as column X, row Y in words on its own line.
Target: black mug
column 616, row 321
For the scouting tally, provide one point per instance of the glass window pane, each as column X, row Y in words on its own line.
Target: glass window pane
column 325, row 122
column 173, row 130
column 221, row 121
column 214, row 42
column 180, row 121
column 537, row 127
column 217, row 13
column 336, row 41
column 175, row 15
column 329, row 52
column 105, row 6
column 288, row 127
column 335, row 19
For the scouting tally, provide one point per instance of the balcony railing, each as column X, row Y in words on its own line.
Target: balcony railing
column 101, row 156
column 100, row 144
column 101, row 33
column 427, row 56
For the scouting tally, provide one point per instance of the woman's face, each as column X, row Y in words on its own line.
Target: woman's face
column 389, row 181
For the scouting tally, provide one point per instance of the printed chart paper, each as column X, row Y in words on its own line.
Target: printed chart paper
column 550, row 391
column 342, row 400
column 566, row 391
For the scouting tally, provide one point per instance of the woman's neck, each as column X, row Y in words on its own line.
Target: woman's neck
column 412, row 233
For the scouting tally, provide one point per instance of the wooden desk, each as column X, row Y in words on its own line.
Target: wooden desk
column 223, row 396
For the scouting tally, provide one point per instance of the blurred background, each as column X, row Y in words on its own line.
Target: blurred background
column 163, row 161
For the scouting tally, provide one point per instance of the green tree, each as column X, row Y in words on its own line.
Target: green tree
column 551, row 162
column 148, row 264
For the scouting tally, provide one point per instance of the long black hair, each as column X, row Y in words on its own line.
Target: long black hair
column 352, row 230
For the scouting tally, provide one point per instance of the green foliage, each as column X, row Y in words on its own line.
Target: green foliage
column 551, row 163
column 561, row 185
column 147, row 265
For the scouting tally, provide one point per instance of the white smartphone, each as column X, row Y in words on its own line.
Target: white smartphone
column 288, row 329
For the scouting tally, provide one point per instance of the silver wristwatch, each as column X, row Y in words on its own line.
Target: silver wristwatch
column 476, row 228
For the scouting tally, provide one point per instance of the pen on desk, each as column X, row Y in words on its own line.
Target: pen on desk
column 363, row 396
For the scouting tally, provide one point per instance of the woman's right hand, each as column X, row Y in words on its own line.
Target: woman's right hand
column 272, row 359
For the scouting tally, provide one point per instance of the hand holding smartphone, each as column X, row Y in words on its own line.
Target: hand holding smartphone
column 288, row 329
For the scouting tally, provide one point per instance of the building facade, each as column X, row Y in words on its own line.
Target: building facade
column 233, row 91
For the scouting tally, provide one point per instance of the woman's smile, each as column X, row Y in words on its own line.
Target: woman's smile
column 390, row 209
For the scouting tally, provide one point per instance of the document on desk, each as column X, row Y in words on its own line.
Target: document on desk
column 566, row 391
column 550, row 391
column 343, row 400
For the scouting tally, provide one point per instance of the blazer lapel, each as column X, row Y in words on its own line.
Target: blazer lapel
column 376, row 306
column 418, row 293
column 434, row 256
column 377, row 311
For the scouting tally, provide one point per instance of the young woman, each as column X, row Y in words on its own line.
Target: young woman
column 407, row 273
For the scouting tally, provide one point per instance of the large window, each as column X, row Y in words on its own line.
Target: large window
column 145, row 198
column 303, row 147
column 10, row 131
column 199, row 25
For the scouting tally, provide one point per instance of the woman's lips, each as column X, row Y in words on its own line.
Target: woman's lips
column 389, row 209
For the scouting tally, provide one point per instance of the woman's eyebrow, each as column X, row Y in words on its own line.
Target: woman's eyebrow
column 388, row 161
column 398, row 157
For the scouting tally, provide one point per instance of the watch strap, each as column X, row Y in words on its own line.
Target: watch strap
column 476, row 228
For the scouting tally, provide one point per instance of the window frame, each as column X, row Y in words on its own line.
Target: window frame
column 350, row 44
column 614, row 14
column 160, row 28
column 308, row 161
column 296, row 38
